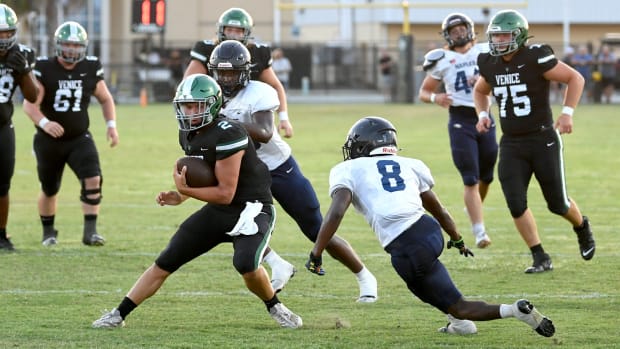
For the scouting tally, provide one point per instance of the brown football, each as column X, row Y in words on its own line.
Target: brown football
column 198, row 173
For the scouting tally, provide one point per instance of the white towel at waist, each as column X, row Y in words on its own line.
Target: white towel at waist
column 245, row 225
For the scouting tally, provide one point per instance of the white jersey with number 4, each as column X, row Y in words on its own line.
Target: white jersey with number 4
column 258, row 96
column 386, row 190
column 457, row 71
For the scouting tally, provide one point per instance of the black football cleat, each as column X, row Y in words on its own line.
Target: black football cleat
column 587, row 246
column 542, row 263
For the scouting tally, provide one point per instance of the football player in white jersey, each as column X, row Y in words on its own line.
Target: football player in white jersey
column 394, row 193
column 474, row 154
column 252, row 103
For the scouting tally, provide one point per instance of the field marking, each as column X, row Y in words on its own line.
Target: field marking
column 244, row 292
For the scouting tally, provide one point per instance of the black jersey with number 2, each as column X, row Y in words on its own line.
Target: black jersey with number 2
column 219, row 140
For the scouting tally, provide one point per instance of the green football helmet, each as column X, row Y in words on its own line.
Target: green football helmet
column 71, row 33
column 205, row 96
column 8, row 22
column 507, row 21
column 238, row 18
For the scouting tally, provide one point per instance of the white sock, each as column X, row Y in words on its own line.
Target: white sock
column 506, row 310
column 363, row 274
column 272, row 258
column 477, row 228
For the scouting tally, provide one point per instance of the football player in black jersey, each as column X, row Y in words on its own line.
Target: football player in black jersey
column 60, row 113
column 236, row 24
column 518, row 75
column 16, row 62
column 239, row 208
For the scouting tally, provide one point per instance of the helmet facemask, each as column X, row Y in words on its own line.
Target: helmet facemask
column 8, row 42
column 193, row 114
column 504, row 47
column 231, row 80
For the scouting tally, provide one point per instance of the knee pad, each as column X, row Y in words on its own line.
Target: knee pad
column 85, row 192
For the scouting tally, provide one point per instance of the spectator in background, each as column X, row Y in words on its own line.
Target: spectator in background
column 607, row 67
column 386, row 68
column 582, row 62
column 281, row 66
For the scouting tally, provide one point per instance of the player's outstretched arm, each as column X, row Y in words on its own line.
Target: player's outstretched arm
column 341, row 199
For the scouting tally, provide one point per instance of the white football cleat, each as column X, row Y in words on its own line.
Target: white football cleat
column 458, row 326
column 482, row 239
column 110, row 319
column 285, row 317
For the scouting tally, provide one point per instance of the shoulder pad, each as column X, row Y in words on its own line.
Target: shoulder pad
column 432, row 57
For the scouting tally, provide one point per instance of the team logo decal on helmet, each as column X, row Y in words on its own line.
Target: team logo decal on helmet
column 197, row 102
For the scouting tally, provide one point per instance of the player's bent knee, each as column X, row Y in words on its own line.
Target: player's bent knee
column 560, row 210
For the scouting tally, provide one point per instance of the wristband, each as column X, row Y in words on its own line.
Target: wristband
column 43, row 122
column 483, row 114
column 283, row 116
column 111, row 123
column 567, row 110
column 433, row 96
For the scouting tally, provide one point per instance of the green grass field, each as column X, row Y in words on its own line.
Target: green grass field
column 50, row 296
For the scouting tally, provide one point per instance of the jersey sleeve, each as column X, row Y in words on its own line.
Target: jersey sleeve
column 96, row 67
column 437, row 70
column 544, row 56
column 232, row 139
column 339, row 178
column 202, row 51
column 426, row 181
column 264, row 97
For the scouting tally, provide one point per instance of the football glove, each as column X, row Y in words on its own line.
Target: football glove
column 18, row 62
column 315, row 265
column 463, row 250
